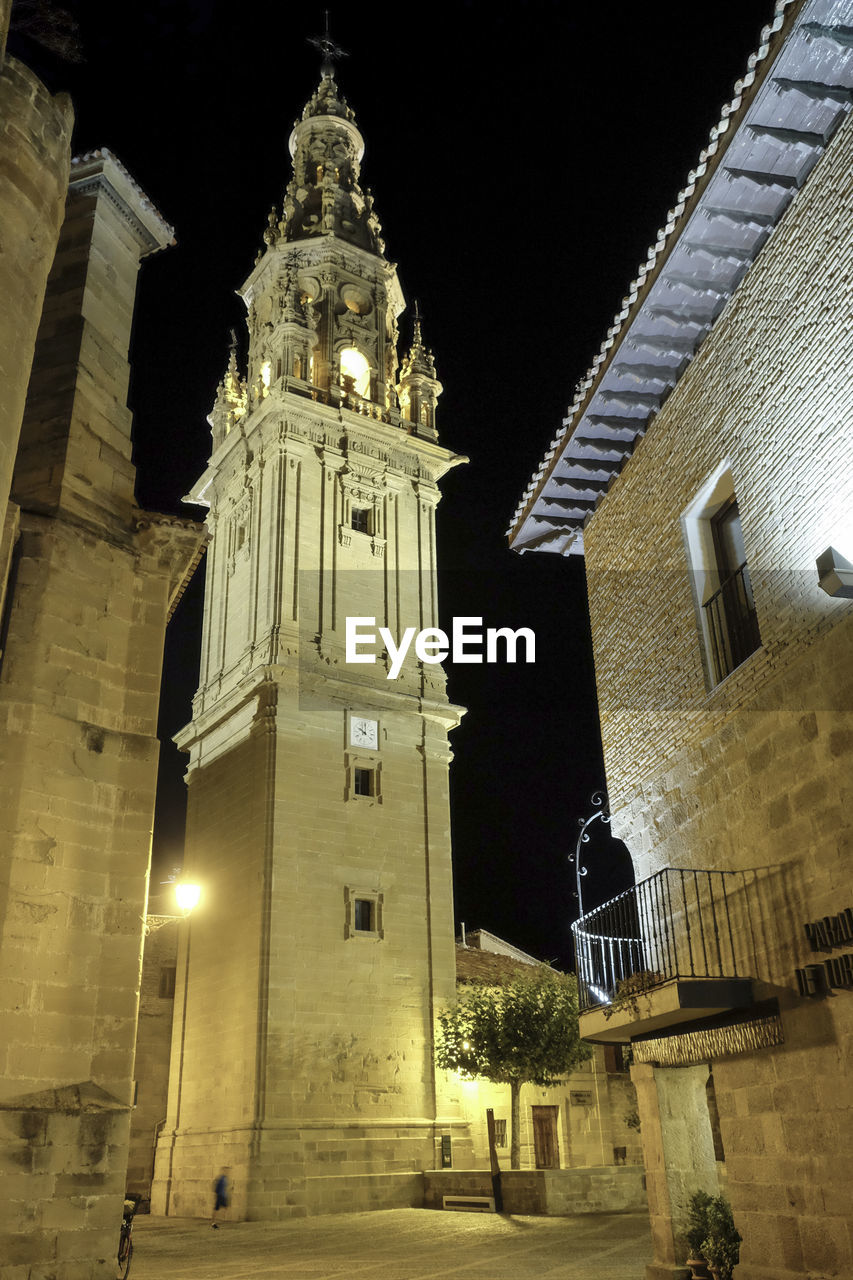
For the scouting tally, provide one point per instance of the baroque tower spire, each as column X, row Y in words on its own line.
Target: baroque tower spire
column 230, row 403
column 419, row 388
column 318, row 811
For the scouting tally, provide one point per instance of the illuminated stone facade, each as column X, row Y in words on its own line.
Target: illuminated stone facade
column 594, row 1109
column 726, row 693
column 318, row 817
column 753, row 773
column 86, row 584
column 35, row 155
column 593, row 1120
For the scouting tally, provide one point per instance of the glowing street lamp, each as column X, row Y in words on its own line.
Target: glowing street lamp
column 187, row 896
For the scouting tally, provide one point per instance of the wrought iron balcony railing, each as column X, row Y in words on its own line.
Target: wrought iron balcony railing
column 676, row 924
column 732, row 623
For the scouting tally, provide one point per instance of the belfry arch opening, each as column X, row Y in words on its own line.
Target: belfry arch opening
column 355, row 367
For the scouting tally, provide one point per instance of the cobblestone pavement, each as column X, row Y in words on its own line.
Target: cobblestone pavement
column 395, row 1244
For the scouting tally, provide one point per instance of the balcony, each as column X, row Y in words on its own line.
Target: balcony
column 674, row 949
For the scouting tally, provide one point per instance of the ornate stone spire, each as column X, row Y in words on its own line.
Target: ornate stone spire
column 324, row 197
column 230, row 403
column 419, row 388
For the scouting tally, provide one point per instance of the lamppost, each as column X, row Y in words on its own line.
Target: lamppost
column 602, row 811
column 187, row 896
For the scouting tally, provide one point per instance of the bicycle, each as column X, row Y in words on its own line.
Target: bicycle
column 125, row 1241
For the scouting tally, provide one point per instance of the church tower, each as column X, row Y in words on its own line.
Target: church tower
column 318, row 821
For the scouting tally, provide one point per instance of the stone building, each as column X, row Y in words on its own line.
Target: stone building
column 587, row 1121
column 87, row 584
column 318, row 818
column 704, row 473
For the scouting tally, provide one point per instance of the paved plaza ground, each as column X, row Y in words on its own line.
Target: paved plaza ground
column 395, row 1244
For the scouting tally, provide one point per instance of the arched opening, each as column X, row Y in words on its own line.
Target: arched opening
column 354, row 366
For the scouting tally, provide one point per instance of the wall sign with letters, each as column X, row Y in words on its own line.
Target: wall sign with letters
column 836, row 972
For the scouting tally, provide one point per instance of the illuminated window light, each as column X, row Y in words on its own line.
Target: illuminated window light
column 266, row 377
column 354, row 365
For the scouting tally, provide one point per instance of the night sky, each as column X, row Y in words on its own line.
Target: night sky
column 521, row 161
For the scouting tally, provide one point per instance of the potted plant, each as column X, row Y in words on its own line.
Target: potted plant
column 697, row 1230
column 721, row 1246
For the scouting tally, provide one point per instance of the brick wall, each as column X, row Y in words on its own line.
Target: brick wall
column 756, row 773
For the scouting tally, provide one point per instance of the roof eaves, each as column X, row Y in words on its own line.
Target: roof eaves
column 771, row 40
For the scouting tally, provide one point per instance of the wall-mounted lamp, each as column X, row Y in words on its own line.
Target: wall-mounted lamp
column 187, row 896
column 835, row 574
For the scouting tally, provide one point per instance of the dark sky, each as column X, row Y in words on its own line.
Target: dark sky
column 521, row 160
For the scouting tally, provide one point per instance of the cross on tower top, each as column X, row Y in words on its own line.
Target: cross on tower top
column 331, row 52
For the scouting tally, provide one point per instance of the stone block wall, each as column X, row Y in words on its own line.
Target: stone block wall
column 153, row 1049
column 79, row 694
column 35, row 155
column 753, row 774
column 306, row 1059
column 557, row 1193
column 592, row 1108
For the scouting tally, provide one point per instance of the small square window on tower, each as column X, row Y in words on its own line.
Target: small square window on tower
column 363, row 913
column 364, row 781
column 360, row 519
column 362, row 778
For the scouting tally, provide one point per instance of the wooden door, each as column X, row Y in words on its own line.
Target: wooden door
column 546, row 1146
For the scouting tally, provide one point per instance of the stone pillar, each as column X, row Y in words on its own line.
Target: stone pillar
column 78, row 749
column 678, row 1151
column 153, row 1046
column 35, row 133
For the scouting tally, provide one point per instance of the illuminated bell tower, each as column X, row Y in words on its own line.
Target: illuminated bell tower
column 318, row 820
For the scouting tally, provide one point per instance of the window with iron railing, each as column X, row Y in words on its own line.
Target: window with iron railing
column 732, row 623
column 716, row 554
column 730, row 617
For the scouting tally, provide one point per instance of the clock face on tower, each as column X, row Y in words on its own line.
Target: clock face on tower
column 364, row 733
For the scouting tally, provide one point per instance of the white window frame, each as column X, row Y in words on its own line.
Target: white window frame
column 697, row 529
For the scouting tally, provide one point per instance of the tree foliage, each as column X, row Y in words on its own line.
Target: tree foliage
column 523, row 1032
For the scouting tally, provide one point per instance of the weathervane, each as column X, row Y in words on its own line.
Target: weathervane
column 331, row 52
column 602, row 811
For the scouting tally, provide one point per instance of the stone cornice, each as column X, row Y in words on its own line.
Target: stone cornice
column 101, row 171
column 312, row 254
column 365, row 439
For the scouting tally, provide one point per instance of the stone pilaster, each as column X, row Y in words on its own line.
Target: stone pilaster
column 35, row 134
column 95, row 582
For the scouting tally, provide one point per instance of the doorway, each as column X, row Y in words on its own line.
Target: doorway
column 546, row 1148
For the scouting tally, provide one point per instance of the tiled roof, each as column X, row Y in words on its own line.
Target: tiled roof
column 769, row 137
column 488, row 968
